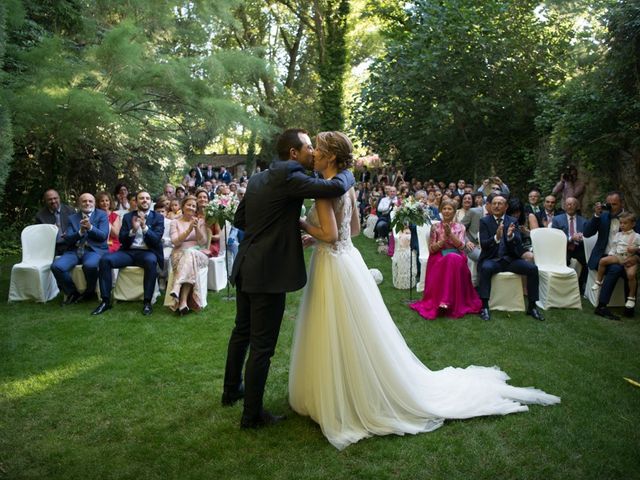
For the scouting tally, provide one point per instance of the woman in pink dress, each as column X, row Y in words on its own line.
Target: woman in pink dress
column 448, row 289
column 189, row 235
column 105, row 202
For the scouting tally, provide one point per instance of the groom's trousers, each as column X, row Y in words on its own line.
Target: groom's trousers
column 258, row 320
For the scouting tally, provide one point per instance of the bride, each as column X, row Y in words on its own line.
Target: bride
column 351, row 370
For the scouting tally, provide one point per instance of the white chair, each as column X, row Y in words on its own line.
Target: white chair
column 130, row 285
column 31, row 279
column 558, row 282
column 506, row 292
column 217, row 274
column 168, row 299
column 423, row 232
column 617, row 297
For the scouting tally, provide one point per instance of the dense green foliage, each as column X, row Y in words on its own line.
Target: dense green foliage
column 518, row 88
column 127, row 396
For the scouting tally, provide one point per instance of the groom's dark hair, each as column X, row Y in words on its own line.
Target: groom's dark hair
column 289, row 139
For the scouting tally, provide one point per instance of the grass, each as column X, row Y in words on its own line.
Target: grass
column 127, row 396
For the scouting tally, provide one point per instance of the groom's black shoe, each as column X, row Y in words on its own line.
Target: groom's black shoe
column 264, row 419
column 231, row 397
column 484, row 314
column 100, row 309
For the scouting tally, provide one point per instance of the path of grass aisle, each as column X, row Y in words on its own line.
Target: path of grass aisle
column 126, row 396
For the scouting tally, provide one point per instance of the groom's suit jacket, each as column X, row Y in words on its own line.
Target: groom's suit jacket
column 270, row 258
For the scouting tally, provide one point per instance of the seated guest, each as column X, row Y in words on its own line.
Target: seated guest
column 121, row 192
column 189, row 235
column 190, row 179
column 624, row 245
column 106, row 203
column 573, row 225
column 180, row 193
column 478, row 199
column 502, row 250
column 384, row 208
column 86, row 238
column 169, row 191
column 55, row 213
column 533, row 204
column 174, row 209
column 516, row 210
column 141, row 245
column 213, row 247
column 471, row 223
column 467, row 204
column 448, row 289
column 131, row 198
column 544, row 217
column 607, row 224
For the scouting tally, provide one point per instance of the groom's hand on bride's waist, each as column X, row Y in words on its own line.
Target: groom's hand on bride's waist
column 307, row 240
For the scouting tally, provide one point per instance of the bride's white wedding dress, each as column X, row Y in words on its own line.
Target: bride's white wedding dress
column 351, row 370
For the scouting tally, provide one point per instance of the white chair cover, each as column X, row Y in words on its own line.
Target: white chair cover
column 423, row 232
column 617, row 297
column 370, row 225
column 506, row 292
column 558, row 282
column 217, row 276
column 31, row 279
column 130, row 285
column 168, row 300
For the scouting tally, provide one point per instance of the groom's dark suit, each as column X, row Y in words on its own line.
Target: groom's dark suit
column 269, row 263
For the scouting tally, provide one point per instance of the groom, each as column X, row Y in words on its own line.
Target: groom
column 270, row 263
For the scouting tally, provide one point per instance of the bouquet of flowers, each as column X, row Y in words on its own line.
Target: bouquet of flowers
column 410, row 212
column 221, row 209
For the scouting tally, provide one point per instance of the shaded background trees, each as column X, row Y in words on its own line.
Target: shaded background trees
column 93, row 91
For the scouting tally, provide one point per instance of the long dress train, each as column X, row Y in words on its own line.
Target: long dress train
column 351, row 370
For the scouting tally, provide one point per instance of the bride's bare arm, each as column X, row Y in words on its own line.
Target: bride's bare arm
column 355, row 216
column 328, row 229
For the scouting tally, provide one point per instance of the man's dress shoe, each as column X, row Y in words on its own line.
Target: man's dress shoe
column 606, row 313
column 100, row 309
column 231, row 397
column 147, row 309
column 485, row 314
column 264, row 419
column 72, row 298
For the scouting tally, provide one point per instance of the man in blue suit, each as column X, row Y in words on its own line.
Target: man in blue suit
column 86, row 239
column 140, row 245
column 573, row 225
column 606, row 225
column 501, row 251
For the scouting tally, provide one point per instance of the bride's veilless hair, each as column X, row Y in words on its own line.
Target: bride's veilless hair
column 338, row 144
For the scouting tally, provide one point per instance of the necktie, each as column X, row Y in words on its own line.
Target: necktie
column 572, row 230
column 58, row 224
column 502, row 248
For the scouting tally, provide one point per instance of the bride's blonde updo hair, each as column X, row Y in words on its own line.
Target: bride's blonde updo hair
column 338, row 144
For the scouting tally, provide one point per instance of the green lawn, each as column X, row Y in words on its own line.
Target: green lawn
column 127, row 396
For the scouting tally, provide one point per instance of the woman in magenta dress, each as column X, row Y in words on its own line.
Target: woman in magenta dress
column 448, row 289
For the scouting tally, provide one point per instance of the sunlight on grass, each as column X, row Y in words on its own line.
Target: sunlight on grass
column 40, row 382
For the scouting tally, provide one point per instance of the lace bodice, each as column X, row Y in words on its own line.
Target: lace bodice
column 342, row 209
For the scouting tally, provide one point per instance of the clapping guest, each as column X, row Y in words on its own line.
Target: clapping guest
column 55, row 213
column 544, row 218
column 86, row 238
column 213, row 247
column 189, row 235
column 448, row 289
column 516, row 210
column 106, row 203
column 120, row 192
column 141, row 245
column 167, row 246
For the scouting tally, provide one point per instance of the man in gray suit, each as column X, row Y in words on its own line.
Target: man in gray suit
column 573, row 225
column 471, row 222
column 269, row 263
column 55, row 213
